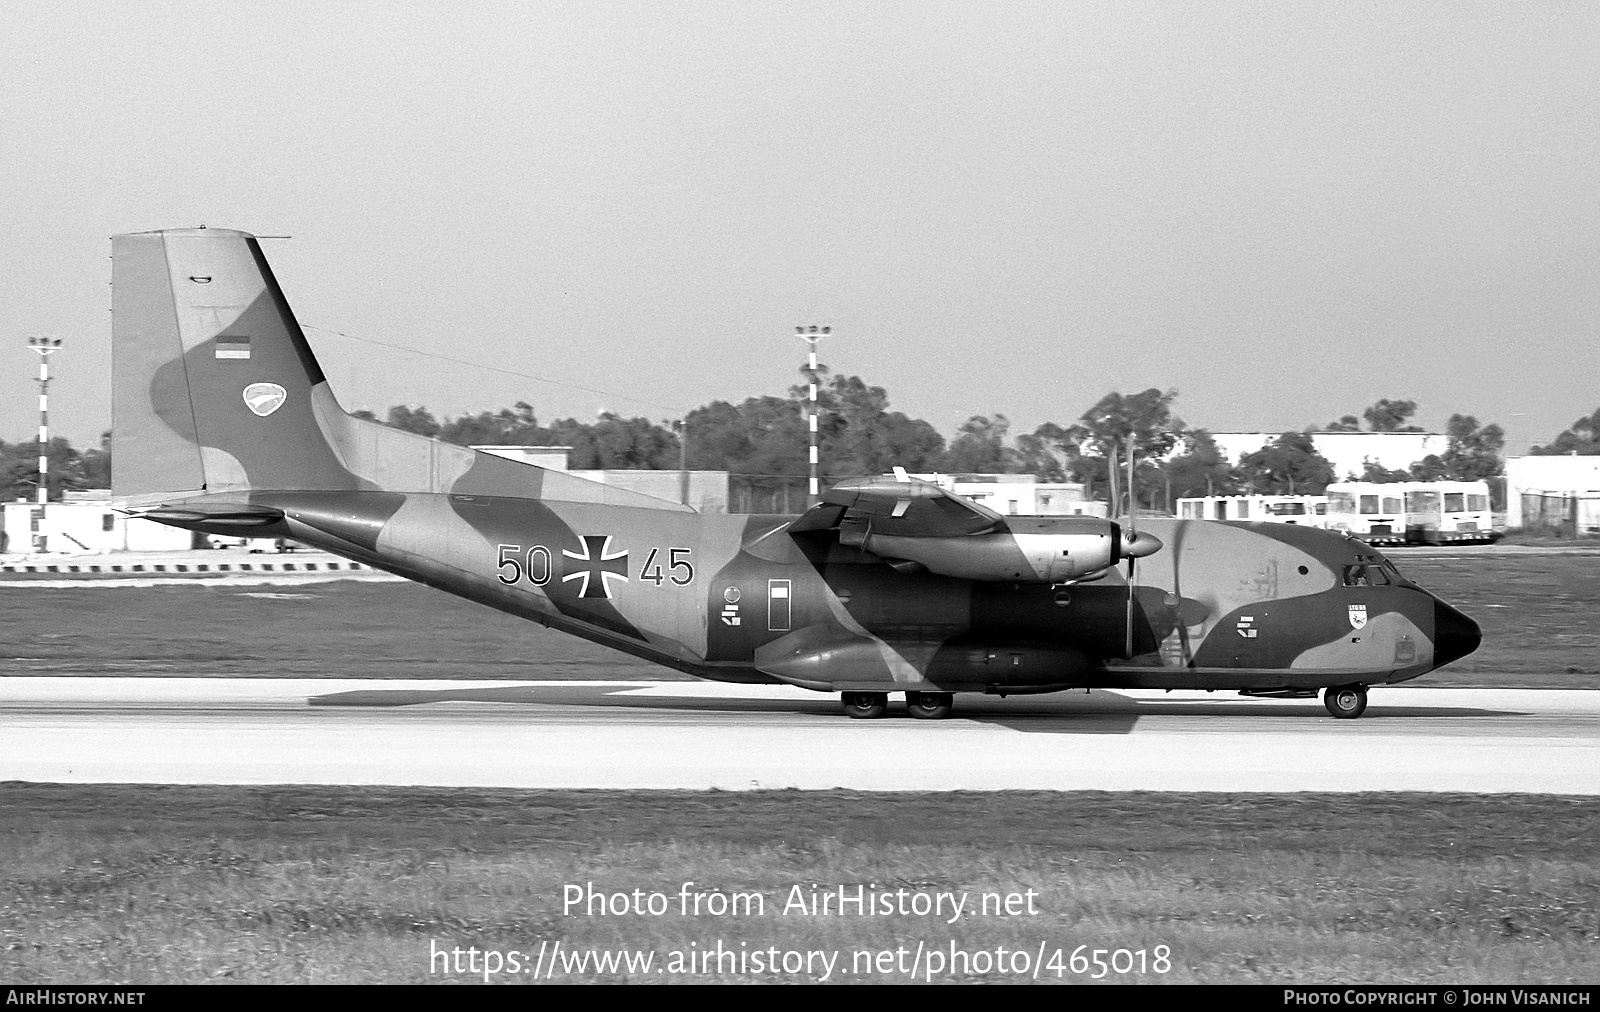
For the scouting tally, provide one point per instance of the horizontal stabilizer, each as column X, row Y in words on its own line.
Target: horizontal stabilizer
column 214, row 514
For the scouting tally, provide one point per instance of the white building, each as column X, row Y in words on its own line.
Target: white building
column 84, row 524
column 552, row 457
column 706, row 491
column 1348, row 452
column 1020, row 494
column 1304, row 510
column 1576, row 478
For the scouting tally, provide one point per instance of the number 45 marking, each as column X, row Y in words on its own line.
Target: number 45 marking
column 678, row 563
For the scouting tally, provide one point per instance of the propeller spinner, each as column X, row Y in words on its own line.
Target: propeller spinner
column 1137, row 546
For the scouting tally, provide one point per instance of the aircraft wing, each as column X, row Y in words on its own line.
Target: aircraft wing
column 912, row 524
column 897, row 506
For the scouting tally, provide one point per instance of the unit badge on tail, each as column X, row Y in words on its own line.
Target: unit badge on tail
column 264, row 398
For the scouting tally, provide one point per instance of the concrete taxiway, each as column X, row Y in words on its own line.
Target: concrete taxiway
column 704, row 735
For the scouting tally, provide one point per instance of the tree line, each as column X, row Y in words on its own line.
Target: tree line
column 762, row 442
column 69, row 469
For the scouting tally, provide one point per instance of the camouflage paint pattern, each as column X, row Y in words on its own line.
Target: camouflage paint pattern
column 224, row 423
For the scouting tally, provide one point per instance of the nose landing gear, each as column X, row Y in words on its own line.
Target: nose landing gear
column 1346, row 702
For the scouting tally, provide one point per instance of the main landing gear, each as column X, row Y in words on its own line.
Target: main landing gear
column 1345, row 701
column 865, row 705
column 929, row 705
column 922, row 705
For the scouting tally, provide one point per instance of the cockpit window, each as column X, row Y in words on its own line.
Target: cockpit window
column 1366, row 574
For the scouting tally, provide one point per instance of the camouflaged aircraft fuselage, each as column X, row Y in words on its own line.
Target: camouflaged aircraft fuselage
column 225, row 424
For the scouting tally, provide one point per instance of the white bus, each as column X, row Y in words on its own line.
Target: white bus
column 1412, row 512
column 1305, row 510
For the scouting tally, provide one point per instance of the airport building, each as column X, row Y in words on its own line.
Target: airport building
column 1304, row 510
column 1561, row 494
column 1020, row 494
column 706, row 491
column 83, row 524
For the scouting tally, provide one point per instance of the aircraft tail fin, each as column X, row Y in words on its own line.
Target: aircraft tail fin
column 214, row 384
column 216, row 391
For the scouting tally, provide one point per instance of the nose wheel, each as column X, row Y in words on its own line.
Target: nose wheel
column 1345, row 701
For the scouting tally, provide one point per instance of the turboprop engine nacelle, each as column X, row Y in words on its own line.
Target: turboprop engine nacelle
column 1027, row 549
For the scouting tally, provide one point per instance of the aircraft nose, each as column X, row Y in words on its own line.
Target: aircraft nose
column 1454, row 634
column 1138, row 545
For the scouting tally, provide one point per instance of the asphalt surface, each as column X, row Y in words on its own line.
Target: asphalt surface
column 703, row 735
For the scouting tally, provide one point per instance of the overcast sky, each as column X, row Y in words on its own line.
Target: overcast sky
column 1285, row 211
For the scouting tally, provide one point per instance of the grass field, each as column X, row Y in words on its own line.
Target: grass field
column 1537, row 613
column 153, row 884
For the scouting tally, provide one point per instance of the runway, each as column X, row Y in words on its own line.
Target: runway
column 661, row 735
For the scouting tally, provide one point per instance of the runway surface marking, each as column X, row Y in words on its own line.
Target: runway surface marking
column 659, row 735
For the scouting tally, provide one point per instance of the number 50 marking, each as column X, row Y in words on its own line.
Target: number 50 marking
column 537, row 565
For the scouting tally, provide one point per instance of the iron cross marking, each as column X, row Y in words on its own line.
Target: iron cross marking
column 600, row 564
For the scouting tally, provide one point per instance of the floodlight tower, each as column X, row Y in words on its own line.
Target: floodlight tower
column 44, row 346
column 811, row 335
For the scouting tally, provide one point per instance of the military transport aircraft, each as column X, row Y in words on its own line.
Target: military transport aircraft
column 225, row 424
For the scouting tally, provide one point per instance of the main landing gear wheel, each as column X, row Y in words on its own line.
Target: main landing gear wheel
column 865, row 705
column 929, row 705
column 1345, row 701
